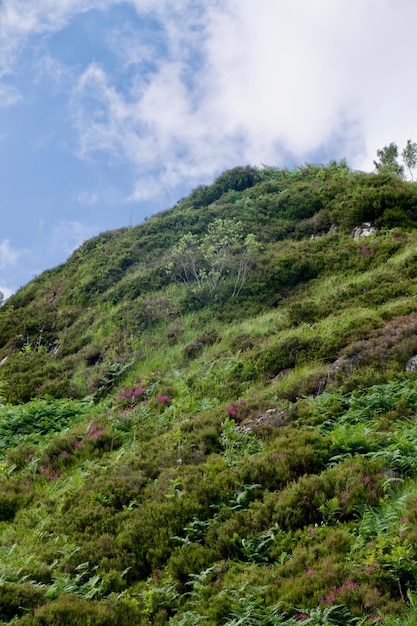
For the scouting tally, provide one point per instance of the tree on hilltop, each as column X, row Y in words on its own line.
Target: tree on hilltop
column 388, row 159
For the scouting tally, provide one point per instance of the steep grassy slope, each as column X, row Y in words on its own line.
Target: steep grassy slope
column 207, row 418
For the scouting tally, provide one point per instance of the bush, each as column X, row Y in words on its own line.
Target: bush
column 17, row 599
column 284, row 354
column 71, row 609
column 335, row 494
column 12, row 497
column 197, row 345
column 237, row 179
column 384, row 199
column 189, row 559
column 292, row 454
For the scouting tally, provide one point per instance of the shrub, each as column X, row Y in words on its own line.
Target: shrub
column 286, row 353
column 71, row 609
column 237, row 179
column 383, row 198
column 17, row 599
column 237, row 443
column 189, row 559
column 311, row 498
column 292, row 454
column 12, row 497
column 195, row 347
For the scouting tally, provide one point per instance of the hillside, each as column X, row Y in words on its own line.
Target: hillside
column 208, row 418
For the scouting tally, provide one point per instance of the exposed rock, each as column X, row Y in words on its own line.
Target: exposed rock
column 364, row 230
column 281, row 374
column 272, row 417
column 343, row 365
column 411, row 364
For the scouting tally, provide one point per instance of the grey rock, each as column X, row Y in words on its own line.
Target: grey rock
column 411, row 364
column 364, row 230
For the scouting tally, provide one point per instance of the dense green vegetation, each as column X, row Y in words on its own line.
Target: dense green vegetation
column 207, row 419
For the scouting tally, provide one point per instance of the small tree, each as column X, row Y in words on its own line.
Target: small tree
column 409, row 156
column 187, row 259
column 223, row 253
column 246, row 260
column 388, row 162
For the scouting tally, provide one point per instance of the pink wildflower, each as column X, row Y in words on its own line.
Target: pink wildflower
column 231, row 410
column 163, row 399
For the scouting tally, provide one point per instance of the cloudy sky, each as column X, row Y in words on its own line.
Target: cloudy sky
column 112, row 110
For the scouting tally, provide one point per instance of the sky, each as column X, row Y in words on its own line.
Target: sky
column 111, row 110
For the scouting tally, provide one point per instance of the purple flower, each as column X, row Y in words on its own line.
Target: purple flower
column 131, row 396
column 330, row 597
column 351, row 585
column 237, row 408
column 163, row 399
column 95, row 431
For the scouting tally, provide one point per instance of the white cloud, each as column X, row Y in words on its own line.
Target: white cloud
column 88, row 198
column 8, row 255
column 60, row 76
column 9, row 262
column 6, row 291
column 9, row 95
column 25, row 17
column 275, row 78
column 298, row 74
column 152, row 127
column 230, row 82
column 66, row 236
column 21, row 20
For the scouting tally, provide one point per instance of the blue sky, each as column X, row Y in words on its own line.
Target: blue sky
column 113, row 110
